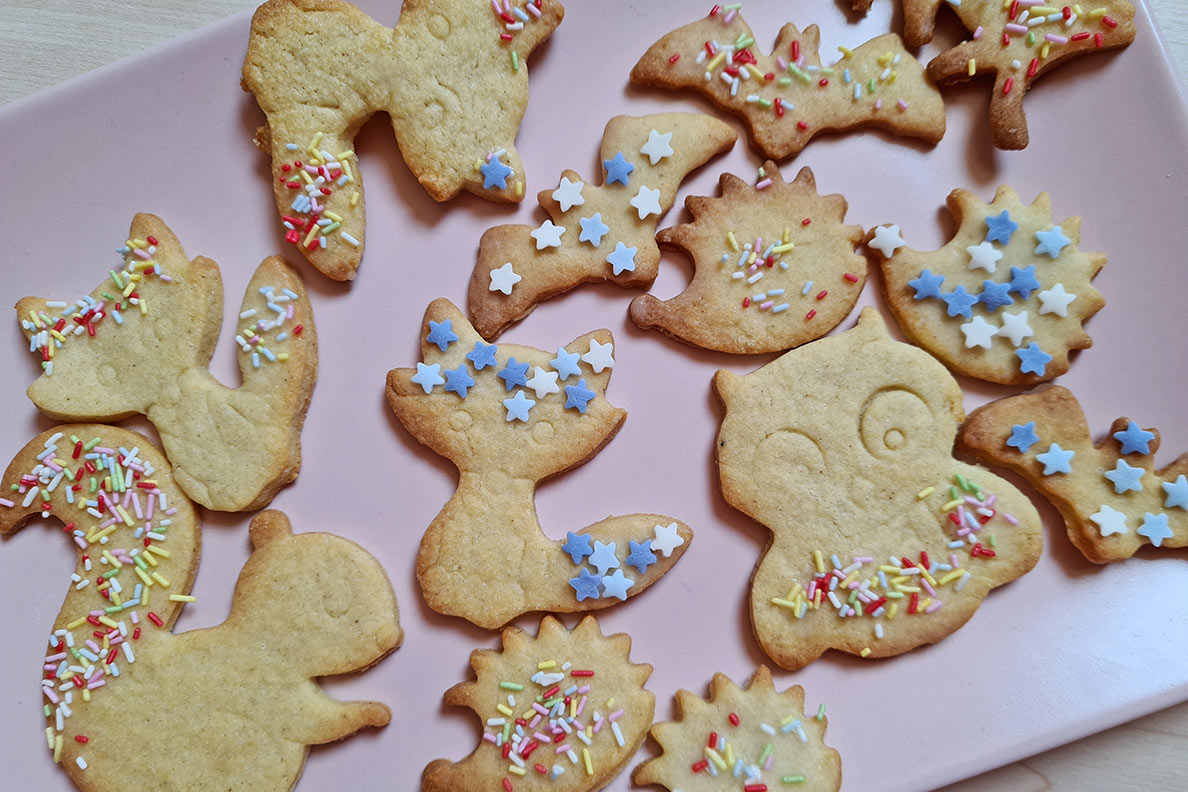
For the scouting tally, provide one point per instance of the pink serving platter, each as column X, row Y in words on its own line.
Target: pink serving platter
column 1070, row 649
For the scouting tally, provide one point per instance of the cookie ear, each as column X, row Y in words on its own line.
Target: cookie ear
column 268, row 526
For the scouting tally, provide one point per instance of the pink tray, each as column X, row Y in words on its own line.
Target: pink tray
column 1070, row 649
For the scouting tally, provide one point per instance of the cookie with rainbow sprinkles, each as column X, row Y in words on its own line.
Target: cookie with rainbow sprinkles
column 881, row 541
column 1017, row 41
column 751, row 738
column 1006, row 299
column 563, row 711
column 790, row 96
column 131, row 706
column 1113, row 499
column 452, row 76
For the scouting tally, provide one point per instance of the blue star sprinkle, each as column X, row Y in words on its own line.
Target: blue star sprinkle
column 603, row 558
column 1134, row 440
column 585, row 585
column 622, row 258
column 442, row 334
column 593, row 229
column 995, row 295
column 459, row 380
column 1177, row 493
column 1126, row 478
column 1056, row 459
column 959, row 302
column 578, row 396
column 1023, row 281
column 513, row 374
column 518, row 407
column 999, row 229
column 495, row 173
column 577, row 545
column 1023, row 436
column 616, row 585
column 1051, row 241
column 1032, row 359
column 617, row 169
column 641, row 555
column 1155, row 528
column 482, row 355
column 927, row 285
column 566, row 363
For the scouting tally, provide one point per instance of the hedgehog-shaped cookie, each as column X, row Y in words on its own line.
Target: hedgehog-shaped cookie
column 774, row 267
column 1017, row 41
column 561, row 711
column 881, row 541
column 790, row 96
column 1005, row 300
column 753, row 738
column 141, row 342
column 452, row 76
column 594, row 233
column 1112, row 498
column 232, row 707
column 509, row 417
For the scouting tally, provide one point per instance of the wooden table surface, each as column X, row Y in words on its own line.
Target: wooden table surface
column 43, row 42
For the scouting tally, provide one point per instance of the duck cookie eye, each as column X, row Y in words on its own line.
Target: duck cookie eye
column 788, row 452
column 895, row 420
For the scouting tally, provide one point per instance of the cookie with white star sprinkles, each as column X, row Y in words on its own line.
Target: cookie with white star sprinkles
column 774, row 266
column 508, row 417
column 749, row 738
column 1113, row 499
column 563, row 711
column 881, row 540
column 790, row 96
column 594, row 232
column 452, row 75
column 115, row 678
column 1005, row 300
column 141, row 342
column 1017, row 41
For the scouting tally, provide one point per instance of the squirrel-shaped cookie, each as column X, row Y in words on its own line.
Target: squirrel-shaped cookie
column 452, row 76
column 1112, row 498
column 578, row 711
column 594, row 232
column 141, row 342
column 485, row 557
column 881, row 541
column 229, row 707
column 790, row 96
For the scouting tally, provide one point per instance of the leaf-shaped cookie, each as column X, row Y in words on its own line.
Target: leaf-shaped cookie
column 881, row 540
column 753, row 738
column 1113, row 499
column 774, row 267
column 594, row 232
column 1017, row 41
column 452, row 76
column 790, row 96
column 1005, row 299
column 563, row 711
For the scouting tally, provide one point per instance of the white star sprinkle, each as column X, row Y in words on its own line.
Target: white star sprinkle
column 599, row 356
column 504, row 279
column 548, row 235
column 1055, row 300
column 646, row 201
column 1015, row 327
column 886, row 240
column 1109, row 521
column 569, row 194
column 978, row 333
column 667, row 539
column 657, row 147
column 984, row 256
column 543, row 382
column 428, row 376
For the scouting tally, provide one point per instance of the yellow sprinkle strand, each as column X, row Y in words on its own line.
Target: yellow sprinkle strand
column 865, row 651
column 181, row 598
column 515, row 770
column 543, row 664
column 924, row 493
column 586, row 759
column 973, row 67
column 164, row 581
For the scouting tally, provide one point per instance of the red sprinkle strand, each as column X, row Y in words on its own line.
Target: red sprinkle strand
column 581, row 673
column 155, row 619
column 1109, row 22
column 676, row 57
column 821, row 295
column 713, row 740
column 795, row 50
column 507, row 787
column 82, row 738
column 851, row 277
column 733, row 719
column 714, row 11
column 701, row 765
column 1006, row 87
column 801, row 126
column 811, row 314
column 1033, row 67
column 913, row 603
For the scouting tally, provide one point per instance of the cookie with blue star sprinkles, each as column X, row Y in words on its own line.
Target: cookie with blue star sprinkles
column 594, row 233
column 749, row 738
column 508, row 417
column 774, row 266
column 452, row 75
column 141, row 342
column 788, row 97
column 1006, row 299
column 1017, row 42
column 563, row 711
column 1113, row 499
